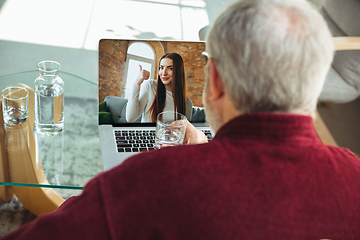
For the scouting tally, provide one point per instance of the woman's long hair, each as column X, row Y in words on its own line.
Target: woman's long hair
column 178, row 88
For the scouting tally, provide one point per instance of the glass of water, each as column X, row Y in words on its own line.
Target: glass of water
column 15, row 103
column 170, row 129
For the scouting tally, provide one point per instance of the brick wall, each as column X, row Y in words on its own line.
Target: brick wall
column 111, row 67
column 112, row 63
column 194, row 64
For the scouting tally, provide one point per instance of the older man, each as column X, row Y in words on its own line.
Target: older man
column 265, row 175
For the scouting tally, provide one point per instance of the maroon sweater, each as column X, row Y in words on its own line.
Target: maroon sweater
column 264, row 176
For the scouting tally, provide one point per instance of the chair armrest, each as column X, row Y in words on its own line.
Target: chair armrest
column 346, row 43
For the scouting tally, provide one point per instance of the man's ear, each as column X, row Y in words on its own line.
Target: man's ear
column 215, row 82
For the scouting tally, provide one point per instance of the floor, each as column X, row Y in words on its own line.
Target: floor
column 68, row 31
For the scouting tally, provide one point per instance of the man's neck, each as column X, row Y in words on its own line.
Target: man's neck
column 229, row 112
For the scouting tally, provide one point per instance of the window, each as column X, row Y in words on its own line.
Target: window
column 139, row 53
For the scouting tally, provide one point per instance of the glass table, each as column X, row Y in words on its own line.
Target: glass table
column 68, row 160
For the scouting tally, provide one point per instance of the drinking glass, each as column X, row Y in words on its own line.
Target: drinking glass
column 170, row 129
column 15, row 102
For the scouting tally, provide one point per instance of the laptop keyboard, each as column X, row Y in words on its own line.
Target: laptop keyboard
column 140, row 140
column 134, row 140
column 208, row 134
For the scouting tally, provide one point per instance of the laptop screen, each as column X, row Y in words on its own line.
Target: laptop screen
column 123, row 61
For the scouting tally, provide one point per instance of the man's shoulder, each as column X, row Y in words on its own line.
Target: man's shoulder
column 343, row 154
column 166, row 153
column 149, row 169
column 167, row 157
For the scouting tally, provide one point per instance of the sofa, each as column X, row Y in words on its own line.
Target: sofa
column 113, row 110
column 343, row 80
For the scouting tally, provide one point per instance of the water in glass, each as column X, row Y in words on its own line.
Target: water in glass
column 168, row 137
column 49, row 104
column 15, row 115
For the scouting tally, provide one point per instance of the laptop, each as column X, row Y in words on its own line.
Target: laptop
column 119, row 61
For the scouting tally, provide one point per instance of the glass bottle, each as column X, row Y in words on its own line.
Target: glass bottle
column 49, row 99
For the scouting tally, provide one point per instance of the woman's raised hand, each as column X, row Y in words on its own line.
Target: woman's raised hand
column 143, row 75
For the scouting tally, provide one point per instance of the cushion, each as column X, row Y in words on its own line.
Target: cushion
column 337, row 90
column 198, row 115
column 342, row 20
column 105, row 117
column 347, row 63
column 103, row 107
column 116, row 106
column 345, row 15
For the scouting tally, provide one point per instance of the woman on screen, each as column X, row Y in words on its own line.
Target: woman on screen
column 168, row 93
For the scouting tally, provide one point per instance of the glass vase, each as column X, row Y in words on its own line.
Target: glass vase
column 49, row 99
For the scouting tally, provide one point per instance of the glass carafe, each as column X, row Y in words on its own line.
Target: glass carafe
column 49, row 99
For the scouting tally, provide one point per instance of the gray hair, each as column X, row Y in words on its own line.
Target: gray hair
column 272, row 55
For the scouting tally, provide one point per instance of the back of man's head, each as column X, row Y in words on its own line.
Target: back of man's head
column 272, row 55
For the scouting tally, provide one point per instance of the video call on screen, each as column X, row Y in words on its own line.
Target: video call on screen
column 119, row 62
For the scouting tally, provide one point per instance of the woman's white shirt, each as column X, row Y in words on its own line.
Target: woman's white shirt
column 142, row 98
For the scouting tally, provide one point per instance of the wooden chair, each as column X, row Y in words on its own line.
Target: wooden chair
column 20, row 163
